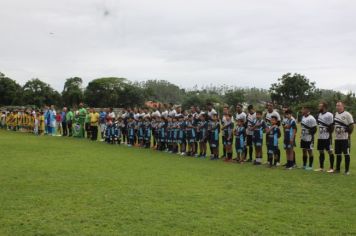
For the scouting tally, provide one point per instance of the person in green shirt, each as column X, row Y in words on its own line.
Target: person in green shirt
column 87, row 124
column 70, row 118
column 82, row 113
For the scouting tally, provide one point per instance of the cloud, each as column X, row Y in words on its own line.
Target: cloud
column 242, row 43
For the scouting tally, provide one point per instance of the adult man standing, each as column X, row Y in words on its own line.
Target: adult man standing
column 94, row 122
column 251, row 117
column 51, row 120
column 82, row 112
column 102, row 121
column 64, row 121
column 307, row 137
column 69, row 119
column 240, row 114
column 344, row 126
column 211, row 112
column 223, row 124
column 326, row 128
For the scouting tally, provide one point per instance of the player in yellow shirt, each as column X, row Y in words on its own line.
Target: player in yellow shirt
column 94, row 122
column 42, row 123
column 9, row 119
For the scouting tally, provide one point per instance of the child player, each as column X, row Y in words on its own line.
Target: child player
column 170, row 134
column 290, row 130
column 258, row 128
column 240, row 140
column 214, row 127
column 175, row 134
column 148, row 131
column 228, row 130
column 203, row 134
column 131, row 131
column 191, row 135
column 273, row 134
column 181, row 134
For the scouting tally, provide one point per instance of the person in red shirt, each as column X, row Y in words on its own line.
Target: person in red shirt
column 59, row 123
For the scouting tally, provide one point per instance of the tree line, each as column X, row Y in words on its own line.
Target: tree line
column 292, row 90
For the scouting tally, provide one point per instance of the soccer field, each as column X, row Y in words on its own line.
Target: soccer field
column 67, row 186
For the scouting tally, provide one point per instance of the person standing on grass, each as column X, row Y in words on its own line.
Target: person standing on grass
column 223, row 122
column 45, row 114
column 326, row 128
column 42, row 123
column 240, row 140
column 250, row 120
column 210, row 112
column 309, row 127
column 290, row 130
column 344, row 126
column 82, row 113
column 241, row 115
column 214, row 128
column 94, row 123
column 69, row 120
column 3, row 119
column 64, row 122
column 271, row 112
column 58, row 123
column 273, row 134
column 228, row 130
column 51, row 120
column 87, row 124
column 203, row 134
column 102, row 122
column 259, row 126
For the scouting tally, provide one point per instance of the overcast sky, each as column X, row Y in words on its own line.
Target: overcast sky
column 235, row 42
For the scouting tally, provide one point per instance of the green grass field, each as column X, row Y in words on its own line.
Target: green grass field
column 67, row 186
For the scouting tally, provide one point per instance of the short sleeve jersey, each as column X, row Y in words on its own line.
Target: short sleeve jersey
column 342, row 121
column 250, row 123
column 308, row 123
column 325, row 121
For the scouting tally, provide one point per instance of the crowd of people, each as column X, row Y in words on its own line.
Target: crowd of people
column 197, row 132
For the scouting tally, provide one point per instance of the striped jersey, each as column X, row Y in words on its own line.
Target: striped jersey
column 325, row 121
column 241, row 116
column 250, row 123
column 269, row 117
column 289, row 126
column 308, row 123
column 342, row 122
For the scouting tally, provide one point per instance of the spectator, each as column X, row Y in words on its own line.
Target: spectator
column 64, row 121
column 69, row 120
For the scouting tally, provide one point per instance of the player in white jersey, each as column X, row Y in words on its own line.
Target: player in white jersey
column 223, row 123
column 326, row 128
column 211, row 112
column 240, row 114
column 309, row 127
column 250, row 121
column 269, row 114
column 344, row 125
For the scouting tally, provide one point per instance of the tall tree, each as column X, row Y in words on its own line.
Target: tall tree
column 293, row 89
column 163, row 91
column 10, row 91
column 72, row 93
column 234, row 96
column 39, row 93
column 131, row 96
column 103, row 92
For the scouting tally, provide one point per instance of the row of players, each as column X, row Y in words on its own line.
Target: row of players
column 195, row 132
